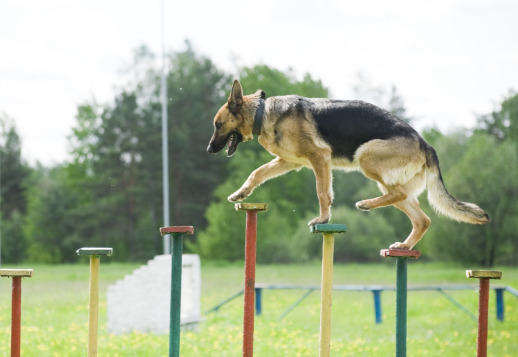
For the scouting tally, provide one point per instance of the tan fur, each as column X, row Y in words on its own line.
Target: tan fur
column 400, row 166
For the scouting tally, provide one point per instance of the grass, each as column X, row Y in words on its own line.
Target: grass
column 55, row 314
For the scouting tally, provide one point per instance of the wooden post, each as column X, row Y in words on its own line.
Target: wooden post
column 16, row 305
column 401, row 294
column 483, row 301
column 251, row 210
column 93, row 308
column 328, row 231
column 176, row 284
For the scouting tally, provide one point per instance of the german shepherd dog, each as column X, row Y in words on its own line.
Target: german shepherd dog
column 325, row 134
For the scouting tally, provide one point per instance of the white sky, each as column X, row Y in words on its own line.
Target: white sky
column 449, row 59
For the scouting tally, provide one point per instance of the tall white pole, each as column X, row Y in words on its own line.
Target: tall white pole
column 165, row 150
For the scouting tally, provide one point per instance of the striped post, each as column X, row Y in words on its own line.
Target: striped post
column 401, row 294
column 93, row 305
column 328, row 231
column 177, row 233
column 483, row 301
column 251, row 210
column 16, row 305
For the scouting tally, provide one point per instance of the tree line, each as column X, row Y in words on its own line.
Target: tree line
column 110, row 191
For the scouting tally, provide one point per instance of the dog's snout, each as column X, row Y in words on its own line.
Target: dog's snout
column 210, row 149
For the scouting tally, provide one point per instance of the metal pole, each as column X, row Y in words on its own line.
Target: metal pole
column 176, row 284
column 165, row 149
column 250, row 258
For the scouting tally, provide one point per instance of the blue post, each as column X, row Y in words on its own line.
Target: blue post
column 377, row 305
column 500, row 303
column 258, row 301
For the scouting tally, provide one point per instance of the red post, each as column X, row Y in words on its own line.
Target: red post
column 16, row 316
column 250, row 258
column 16, row 305
column 249, row 291
column 483, row 301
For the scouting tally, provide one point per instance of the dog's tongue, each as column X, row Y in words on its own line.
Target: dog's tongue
column 232, row 144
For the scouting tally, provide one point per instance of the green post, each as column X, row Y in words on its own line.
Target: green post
column 176, row 284
column 401, row 294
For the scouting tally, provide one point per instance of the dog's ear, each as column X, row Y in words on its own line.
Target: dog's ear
column 236, row 97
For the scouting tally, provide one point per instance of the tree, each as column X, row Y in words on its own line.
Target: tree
column 13, row 175
column 116, row 172
column 502, row 123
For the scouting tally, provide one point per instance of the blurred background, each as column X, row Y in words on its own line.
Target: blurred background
column 80, row 122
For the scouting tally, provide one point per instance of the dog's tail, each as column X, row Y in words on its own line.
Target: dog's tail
column 443, row 202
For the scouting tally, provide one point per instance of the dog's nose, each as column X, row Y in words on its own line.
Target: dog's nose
column 210, row 149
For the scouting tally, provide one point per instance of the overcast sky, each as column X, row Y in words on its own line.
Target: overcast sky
column 449, row 59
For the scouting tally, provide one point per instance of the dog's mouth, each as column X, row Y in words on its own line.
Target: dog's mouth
column 233, row 140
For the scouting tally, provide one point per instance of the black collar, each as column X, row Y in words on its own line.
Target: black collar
column 258, row 118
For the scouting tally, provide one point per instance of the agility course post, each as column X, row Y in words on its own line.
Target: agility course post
column 176, row 284
column 16, row 305
column 483, row 300
column 328, row 231
column 93, row 309
column 401, row 293
column 250, row 255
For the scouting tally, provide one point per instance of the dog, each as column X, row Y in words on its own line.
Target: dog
column 326, row 134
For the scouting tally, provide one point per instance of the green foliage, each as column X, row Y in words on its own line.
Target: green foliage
column 485, row 173
column 13, row 175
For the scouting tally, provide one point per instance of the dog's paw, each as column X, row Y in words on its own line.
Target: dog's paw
column 318, row 220
column 399, row 245
column 236, row 197
column 362, row 206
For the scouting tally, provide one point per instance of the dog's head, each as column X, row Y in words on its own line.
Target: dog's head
column 232, row 123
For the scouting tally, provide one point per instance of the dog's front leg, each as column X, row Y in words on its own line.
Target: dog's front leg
column 274, row 168
column 324, row 182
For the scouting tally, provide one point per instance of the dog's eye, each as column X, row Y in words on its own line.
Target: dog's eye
column 218, row 125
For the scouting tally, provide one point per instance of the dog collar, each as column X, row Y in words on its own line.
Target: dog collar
column 258, row 118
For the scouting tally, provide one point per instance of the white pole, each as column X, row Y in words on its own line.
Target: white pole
column 165, row 150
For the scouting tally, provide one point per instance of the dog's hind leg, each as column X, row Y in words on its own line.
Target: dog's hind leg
column 392, row 195
column 420, row 223
column 272, row 169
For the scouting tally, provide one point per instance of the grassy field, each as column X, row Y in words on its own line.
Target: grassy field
column 55, row 314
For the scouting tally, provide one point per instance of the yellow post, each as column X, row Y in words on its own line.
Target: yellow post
column 327, row 291
column 328, row 245
column 94, row 306
column 95, row 261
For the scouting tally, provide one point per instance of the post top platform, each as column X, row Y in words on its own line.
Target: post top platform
column 251, row 206
column 400, row 253
column 95, row 251
column 177, row 229
column 328, row 228
column 484, row 274
column 16, row 273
